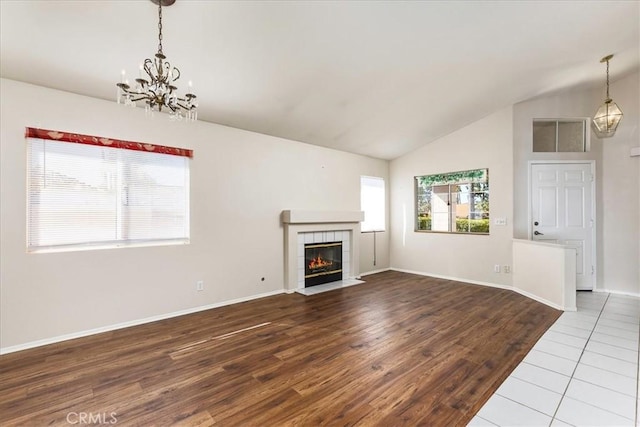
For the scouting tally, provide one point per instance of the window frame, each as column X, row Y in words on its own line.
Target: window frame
column 450, row 180
column 586, row 135
column 121, row 161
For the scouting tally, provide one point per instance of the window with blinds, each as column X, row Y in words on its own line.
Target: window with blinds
column 82, row 195
column 372, row 202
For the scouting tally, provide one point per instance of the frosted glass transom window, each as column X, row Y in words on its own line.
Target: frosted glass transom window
column 559, row 136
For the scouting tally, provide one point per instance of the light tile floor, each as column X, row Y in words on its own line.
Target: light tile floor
column 582, row 372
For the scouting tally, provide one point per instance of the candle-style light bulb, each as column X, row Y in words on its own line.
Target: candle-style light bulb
column 122, row 74
column 190, row 84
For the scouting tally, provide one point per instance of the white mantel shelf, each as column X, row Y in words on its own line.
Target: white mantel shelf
column 320, row 217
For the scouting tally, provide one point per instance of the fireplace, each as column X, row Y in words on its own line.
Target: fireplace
column 314, row 227
column 323, row 263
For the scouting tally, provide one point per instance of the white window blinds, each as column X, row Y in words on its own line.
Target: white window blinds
column 372, row 202
column 82, row 195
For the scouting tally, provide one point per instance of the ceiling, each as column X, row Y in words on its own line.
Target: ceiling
column 379, row 78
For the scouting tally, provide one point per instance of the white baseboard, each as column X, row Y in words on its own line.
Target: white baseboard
column 80, row 334
column 626, row 294
column 492, row 285
column 457, row 279
column 382, row 270
column 544, row 301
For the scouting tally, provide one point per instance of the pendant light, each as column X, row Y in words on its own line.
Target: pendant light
column 608, row 116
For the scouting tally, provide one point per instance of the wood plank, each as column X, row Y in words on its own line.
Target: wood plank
column 400, row 349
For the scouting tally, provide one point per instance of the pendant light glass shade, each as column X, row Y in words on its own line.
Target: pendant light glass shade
column 608, row 116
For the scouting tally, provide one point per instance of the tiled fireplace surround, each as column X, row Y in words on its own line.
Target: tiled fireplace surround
column 302, row 227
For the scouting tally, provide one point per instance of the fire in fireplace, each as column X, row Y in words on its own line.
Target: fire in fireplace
column 323, row 263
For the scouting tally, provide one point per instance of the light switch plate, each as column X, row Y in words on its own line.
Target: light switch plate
column 500, row 221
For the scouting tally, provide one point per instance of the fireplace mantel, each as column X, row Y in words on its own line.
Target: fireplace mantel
column 320, row 217
column 300, row 223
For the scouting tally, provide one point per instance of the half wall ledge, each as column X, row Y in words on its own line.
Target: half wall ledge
column 545, row 272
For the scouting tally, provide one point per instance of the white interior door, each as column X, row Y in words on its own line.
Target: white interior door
column 562, row 212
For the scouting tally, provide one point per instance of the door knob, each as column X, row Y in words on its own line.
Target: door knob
column 537, row 233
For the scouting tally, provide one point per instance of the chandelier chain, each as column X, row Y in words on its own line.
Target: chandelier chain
column 160, row 27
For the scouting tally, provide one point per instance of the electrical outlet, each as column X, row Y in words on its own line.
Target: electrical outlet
column 200, row 285
column 496, row 268
column 506, row 269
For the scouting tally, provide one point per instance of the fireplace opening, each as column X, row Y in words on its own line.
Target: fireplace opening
column 323, row 263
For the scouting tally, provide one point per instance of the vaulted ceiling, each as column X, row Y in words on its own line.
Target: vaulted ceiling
column 379, row 78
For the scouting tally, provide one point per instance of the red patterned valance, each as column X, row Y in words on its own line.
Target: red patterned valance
column 105, row 142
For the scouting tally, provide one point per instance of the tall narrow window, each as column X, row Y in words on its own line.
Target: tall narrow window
column 86, row 191
column 372, row 202
column 455, row 202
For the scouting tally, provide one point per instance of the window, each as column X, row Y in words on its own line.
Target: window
column 559, row 136
column 372, row 203
column 456, row 202
column 85, row 191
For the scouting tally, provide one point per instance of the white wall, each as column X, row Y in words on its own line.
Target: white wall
column 617, row 176
column 486, row 143
column 620, row 196
column 240, row 182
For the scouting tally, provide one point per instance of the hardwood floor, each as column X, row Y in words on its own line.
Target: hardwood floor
column 399, row 350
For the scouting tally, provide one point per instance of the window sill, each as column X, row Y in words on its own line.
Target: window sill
column 121, row 245
column 452, row 232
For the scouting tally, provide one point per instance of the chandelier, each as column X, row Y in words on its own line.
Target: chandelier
column 608, row 116
column 156, row 84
